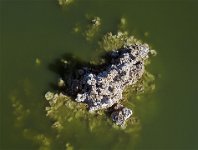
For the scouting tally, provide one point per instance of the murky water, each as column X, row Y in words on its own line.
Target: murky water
column 36, row 32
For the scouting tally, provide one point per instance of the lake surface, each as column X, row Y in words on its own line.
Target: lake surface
column 34, row 33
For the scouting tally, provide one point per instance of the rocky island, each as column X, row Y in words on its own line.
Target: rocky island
column 101, row 90
column 101, row 87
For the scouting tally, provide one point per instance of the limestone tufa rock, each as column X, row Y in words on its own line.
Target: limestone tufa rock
column 104, row 89
column 120, row 114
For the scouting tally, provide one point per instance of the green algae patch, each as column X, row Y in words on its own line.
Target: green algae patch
column 122, row 26
column 94, row 24
column 40, row 139
column 65, row 3
column 116, row 41
column 63, row 110
column 20, row 112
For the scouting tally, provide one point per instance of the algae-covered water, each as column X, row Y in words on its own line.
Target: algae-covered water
column 34, row 33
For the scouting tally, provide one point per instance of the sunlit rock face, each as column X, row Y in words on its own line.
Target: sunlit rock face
column 104, row 89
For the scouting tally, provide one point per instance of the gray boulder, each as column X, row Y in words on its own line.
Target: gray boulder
column 104, row 89
column 120, row 114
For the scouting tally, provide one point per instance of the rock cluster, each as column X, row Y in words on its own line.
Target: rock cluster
column 120, row 114
column 104, row 89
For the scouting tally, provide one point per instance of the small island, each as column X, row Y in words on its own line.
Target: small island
column 100, row 87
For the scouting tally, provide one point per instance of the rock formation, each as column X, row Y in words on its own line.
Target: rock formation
column 101, row 90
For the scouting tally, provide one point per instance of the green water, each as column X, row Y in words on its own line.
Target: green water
column 41, row 29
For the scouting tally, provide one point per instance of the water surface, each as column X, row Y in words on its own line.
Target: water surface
column 40, row 29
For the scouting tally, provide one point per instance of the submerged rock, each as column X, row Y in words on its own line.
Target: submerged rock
column 116, row 41
column 65, row 2
column 92, row 28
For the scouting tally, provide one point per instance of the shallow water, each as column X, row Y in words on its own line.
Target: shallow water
column 42, row 30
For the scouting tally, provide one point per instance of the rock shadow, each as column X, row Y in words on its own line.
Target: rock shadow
column 67, row 67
